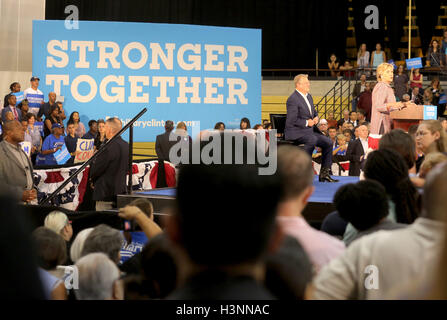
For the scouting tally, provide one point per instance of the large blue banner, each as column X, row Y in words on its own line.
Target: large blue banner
column 180, row 72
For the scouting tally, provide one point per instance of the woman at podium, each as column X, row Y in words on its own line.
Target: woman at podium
column 383, row 100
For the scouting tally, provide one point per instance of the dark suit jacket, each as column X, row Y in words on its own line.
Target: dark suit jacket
column 353, row 154
column 163, row 146
column 108, row 172
column 297, row 114
column 341, row 122
column 7, row 109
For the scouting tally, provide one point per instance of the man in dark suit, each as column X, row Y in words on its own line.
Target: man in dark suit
column 301, row 125
column 108, row 172
column 17, row 114
column 162, row 143
column 344, row 119
column 357, row 150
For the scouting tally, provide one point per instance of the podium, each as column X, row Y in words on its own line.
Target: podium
column 405, row 118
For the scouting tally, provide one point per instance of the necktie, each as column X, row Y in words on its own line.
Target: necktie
column 16, row 116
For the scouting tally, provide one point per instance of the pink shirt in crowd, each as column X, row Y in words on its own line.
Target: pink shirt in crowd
column 319, row 246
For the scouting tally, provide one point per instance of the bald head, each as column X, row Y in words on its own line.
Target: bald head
column 434, row 200
column 52, row 97
column 13, row 132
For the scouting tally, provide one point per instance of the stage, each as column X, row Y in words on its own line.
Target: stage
column 320, row 203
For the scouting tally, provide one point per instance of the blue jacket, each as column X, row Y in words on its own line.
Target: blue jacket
column 297, row 114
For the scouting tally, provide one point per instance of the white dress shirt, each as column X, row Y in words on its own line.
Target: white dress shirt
column 364, row 144
column 307, row 102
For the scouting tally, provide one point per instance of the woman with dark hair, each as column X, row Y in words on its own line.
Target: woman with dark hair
column 219, row 126
column 100, row 138
column 437, row 91
column 245, row 124
column 79, row 126
column 52, row 118
column 14, row 87
column 434, row 55
column 389, row 168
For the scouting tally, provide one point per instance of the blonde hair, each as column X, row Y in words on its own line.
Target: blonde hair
column 433, row 126
column 382, row 68
column 431, row 160
column 341, row 136
column 56, row 221
column 78, row 244
column 299, row 77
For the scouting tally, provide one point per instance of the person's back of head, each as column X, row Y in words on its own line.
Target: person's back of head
column 363, row 204
column 401, row 142
column 98, row 277
column 104, row 239
column 431, row 160
column 295, row 168
column 78, row 244
column 389, row 168
column 288, row 271
column 144, row 205
column 220, row 219
column 158, row 267
column 169, row 125
column 56, row 221
column 434, row 199
column 50, row 248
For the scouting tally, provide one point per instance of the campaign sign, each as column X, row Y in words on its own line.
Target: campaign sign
column 62, row 155
column 26, row 147
column 442, row 98
column 187, row 73
column 430, row 112
column 39, row 125
column 84, row 150
column 19, row 97
column 414, row 63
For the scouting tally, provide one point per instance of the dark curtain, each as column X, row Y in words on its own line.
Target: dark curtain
column 369, row 36
column 291, row 30
column 427, row 16
column 395, row 12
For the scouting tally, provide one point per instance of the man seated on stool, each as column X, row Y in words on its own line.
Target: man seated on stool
column 301, row 125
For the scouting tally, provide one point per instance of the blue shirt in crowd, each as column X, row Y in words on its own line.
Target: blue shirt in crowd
column 49, row 143
column 139, row 239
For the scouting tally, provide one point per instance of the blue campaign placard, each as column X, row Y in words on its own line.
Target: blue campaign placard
column 19, row 97
column 197, row 74
column 62, row 155
column 442, row 98
column 414, row 63
column 430, row 112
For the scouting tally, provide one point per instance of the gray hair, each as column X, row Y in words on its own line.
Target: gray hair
column 97, row 275
column 78, row 244
column 104, row 239
column 115, row 124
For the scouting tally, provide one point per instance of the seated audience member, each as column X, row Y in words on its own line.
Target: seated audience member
column 353, row 118
column 216, row 264
column 332, row 134
column 322, row 125
column 408, row 255
column 219, row 126
column 370, row 198
column 106, row 240
column 416, row 96
column 427, row 97
column 331, row 122
column 162, row 143
column 347, row 133
column 431, row 160
column 344, row 119
column 365, row 101
column 11, row 107
column 357, row 150
column 51, row 145
column 99, row 278
column 361, row 117
column 51, row 252
column 288, row 271
column 71, row 141
column 431, row 137
column 406, row 97
column 19, row 271
column 142, row 212
column 257, row 127
column 100, row 138
column 342, row 146
column 93, row 130
column 245, row 124
column 23, row 107
column 389, row 168
column 78, row 244
column 16, row 169
column 79, row 126
column 59, row 223
column 295, row 168
column 347, row 126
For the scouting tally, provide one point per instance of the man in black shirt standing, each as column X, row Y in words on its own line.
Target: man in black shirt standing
column 108, row 171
